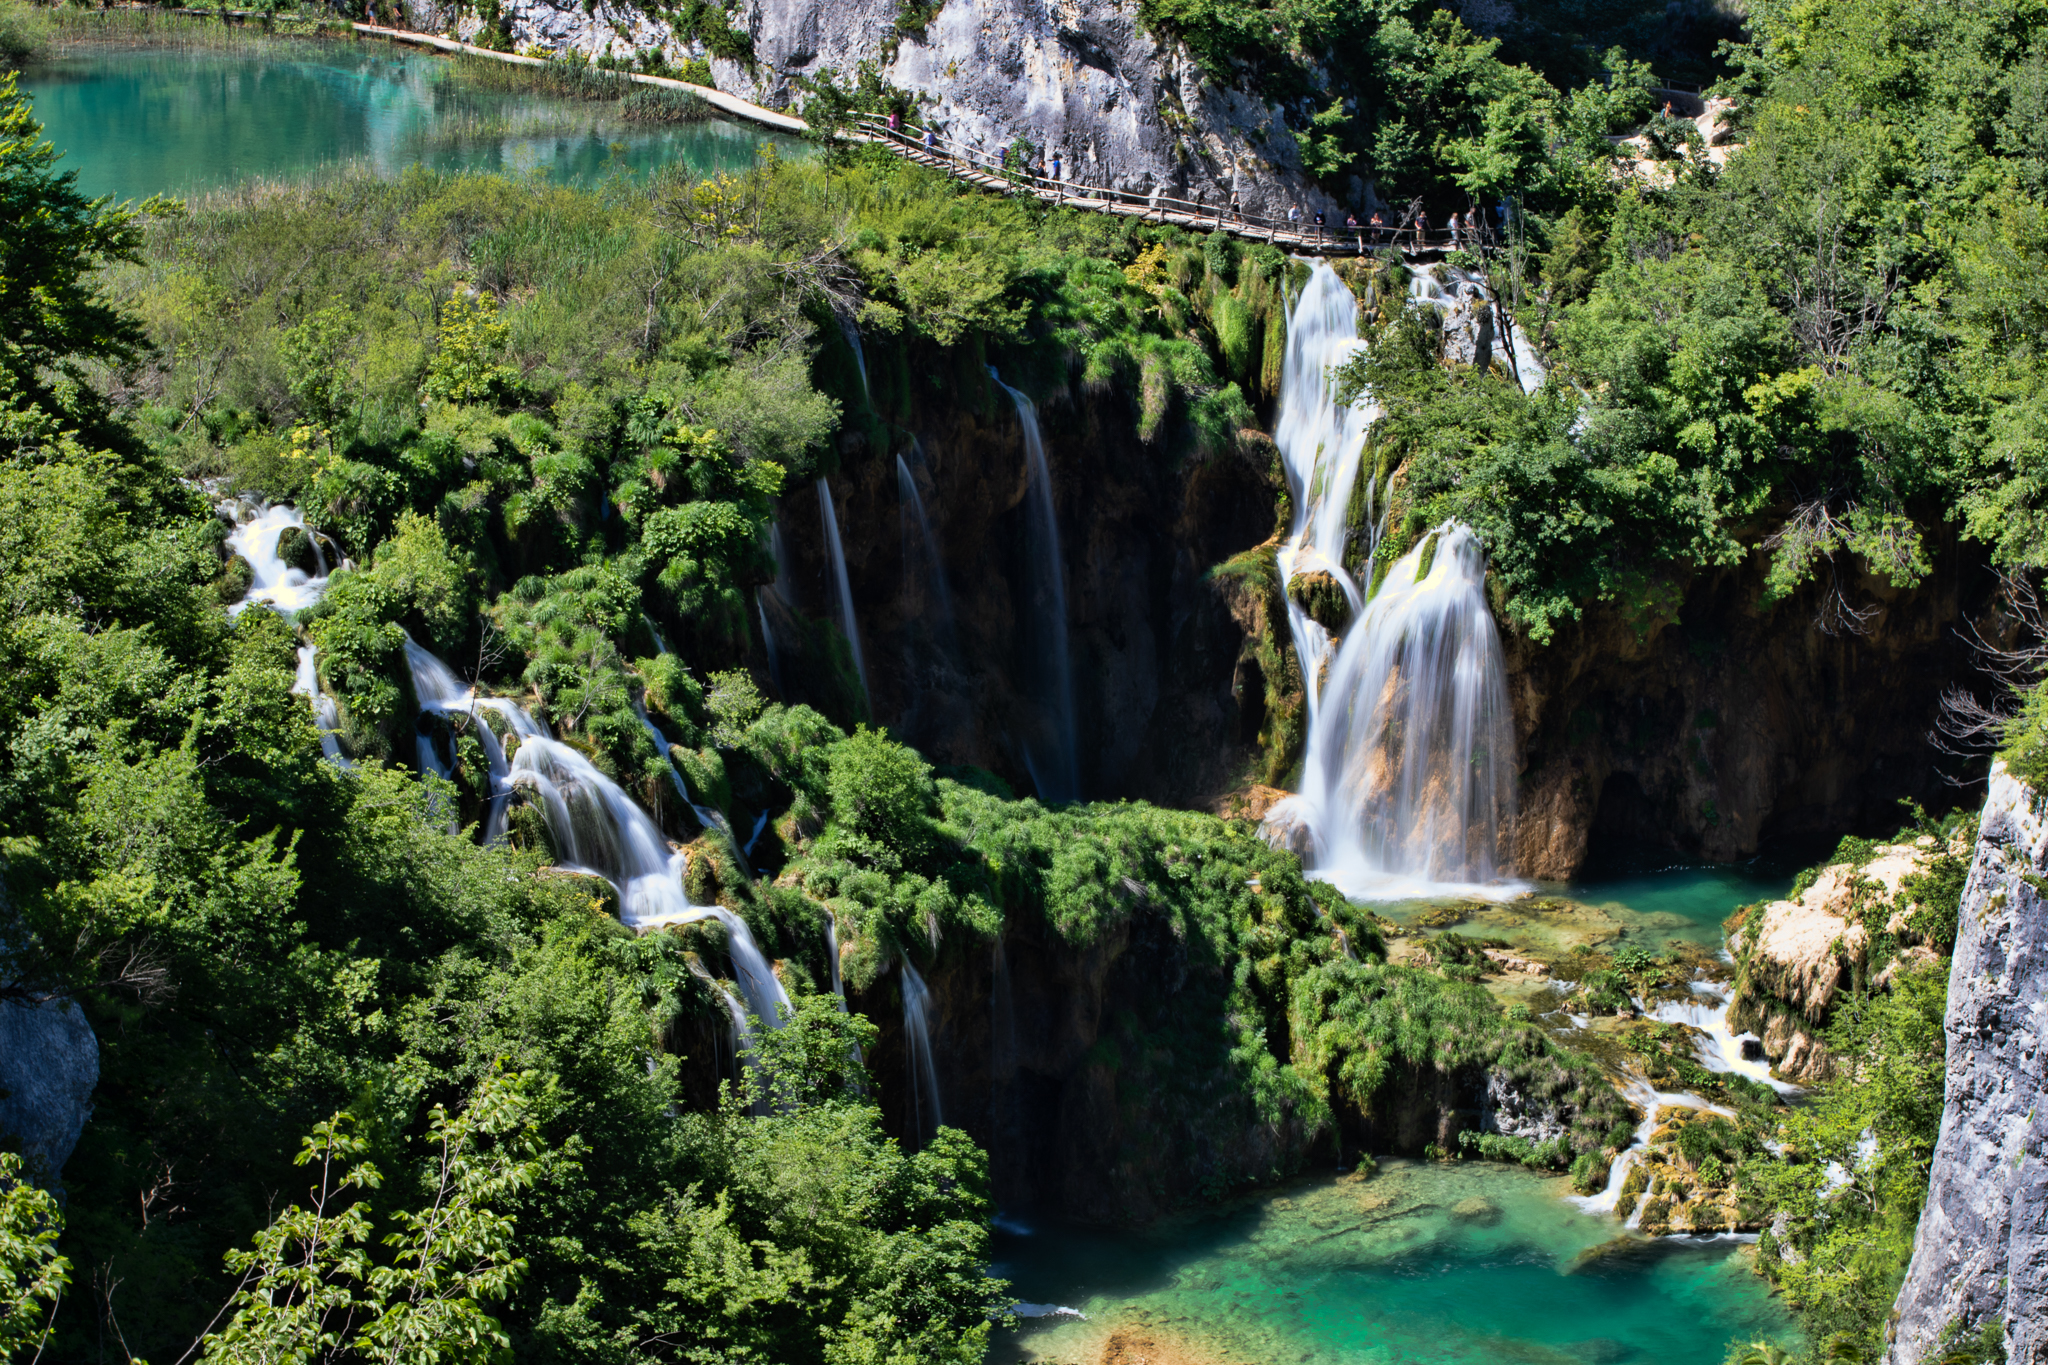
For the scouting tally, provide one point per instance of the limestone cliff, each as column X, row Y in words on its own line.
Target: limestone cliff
column 1077, row 77
column 1981, row 1252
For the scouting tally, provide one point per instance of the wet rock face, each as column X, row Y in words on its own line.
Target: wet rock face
column 49, row 1064
column 1981, row 1252
column 1710, row 725
column 1163, row 708
column 1506, row 1110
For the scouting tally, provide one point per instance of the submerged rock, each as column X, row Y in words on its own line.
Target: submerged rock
column 1981, row 1252
column 1477, row 1209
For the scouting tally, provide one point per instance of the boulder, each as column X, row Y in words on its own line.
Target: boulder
column 49, row 1064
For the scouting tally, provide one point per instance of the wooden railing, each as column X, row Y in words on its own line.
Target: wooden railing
column 978, row 167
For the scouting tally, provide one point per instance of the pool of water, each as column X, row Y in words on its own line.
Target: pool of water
column 1627, row 898
column 1436, row 1262
column 140, row 121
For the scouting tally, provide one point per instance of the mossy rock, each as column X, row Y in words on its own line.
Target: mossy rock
column 295, row 548
column 1322, row 597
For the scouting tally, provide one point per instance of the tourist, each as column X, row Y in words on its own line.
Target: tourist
column 1294, row 219
column 1455, row 242
column 1237, row 208
column 1319, row 227
column 895, row 121
column 1422, row 229
column 1055, row 166
column 1379, row 229
column 1351, row 226
column 931, row 147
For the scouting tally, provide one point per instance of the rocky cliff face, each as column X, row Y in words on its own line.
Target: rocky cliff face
column 1714, row 724
column 1981, row 1252
column 1077, row 77
column 1161, row 711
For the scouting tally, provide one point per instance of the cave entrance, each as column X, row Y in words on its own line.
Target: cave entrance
column 1626, row 822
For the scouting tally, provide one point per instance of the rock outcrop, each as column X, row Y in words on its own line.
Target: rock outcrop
column 1981, row 1253
column 1075, row 77
column 49, row 1064
column 1796, row 954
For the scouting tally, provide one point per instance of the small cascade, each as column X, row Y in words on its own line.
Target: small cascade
column 326, row 715
column 1649, row 1099
column 851, row 331
column 926, row 1115
column 439, row 692
column 1055, row 765
column 1408, row 782
column 832, row 956
column 847, row 624
column 1442, row 289
column 1721, row 1049
column 768, row 641
column 710, row 817
column 273, row 582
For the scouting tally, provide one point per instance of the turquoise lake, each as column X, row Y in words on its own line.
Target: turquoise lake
column 140, row 121
column 1431, row 1263
column 1424, row 1262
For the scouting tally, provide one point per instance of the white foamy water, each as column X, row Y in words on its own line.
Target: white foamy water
column 273, row 582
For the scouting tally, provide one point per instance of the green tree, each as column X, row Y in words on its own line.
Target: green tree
column 32, row 1274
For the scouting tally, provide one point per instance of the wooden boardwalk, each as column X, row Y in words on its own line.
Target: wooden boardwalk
column 973, row 167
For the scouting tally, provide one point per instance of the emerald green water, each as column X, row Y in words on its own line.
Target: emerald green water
column 140, row 121
column 1630, row 898
column 1425, row 1262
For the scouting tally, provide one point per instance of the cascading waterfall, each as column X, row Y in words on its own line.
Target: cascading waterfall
column 832, row 956
column 439, row 692
column 847, row 623
column 924, row 1075
column 1443, row 293
column 1719, row 1048
column 851, row 331
column 1054, row 765
column 710, row 817
column 1408, row 781
column 326, row 715
column 272, row 581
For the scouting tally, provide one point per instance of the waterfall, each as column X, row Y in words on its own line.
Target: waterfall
column 326, row 715
column 847, row 624
column 768, row 641
column 917, row 533
column 832, row 956
column 1721, row 1049
column 439, row 692
column 1407, row 786
column 917, row 1038
column 272, row 581
column 1055, row 768
column 1649, row 1099
column 851, row 332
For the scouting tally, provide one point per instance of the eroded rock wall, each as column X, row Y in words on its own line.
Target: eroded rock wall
column 1708, row 728
column 1161, row 709
column 1981, row 1252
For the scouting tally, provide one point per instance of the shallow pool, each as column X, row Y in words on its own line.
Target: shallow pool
column 136, row 121
column 1439, row 1262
